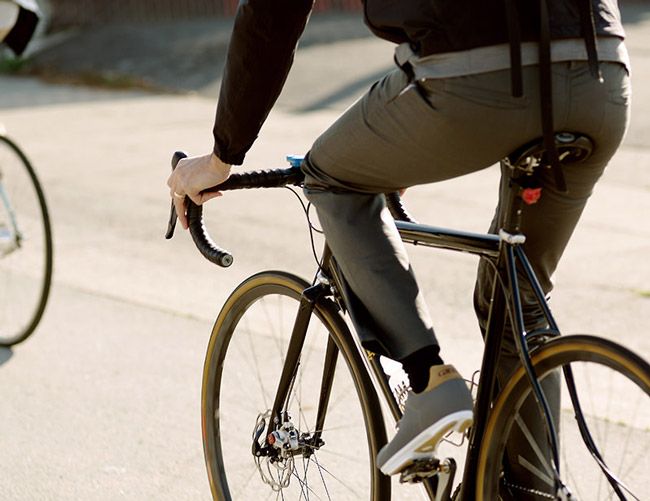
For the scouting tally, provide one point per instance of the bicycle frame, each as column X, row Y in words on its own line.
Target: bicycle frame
column 10, row 238
column 504, row 253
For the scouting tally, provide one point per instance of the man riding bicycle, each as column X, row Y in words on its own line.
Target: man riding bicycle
column 474, row 81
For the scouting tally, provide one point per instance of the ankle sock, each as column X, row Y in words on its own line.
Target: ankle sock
column 417, row 366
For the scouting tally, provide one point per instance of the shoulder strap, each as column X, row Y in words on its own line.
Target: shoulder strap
column 588, row 31
column 588, row 28
column 546, row 94
column 514, row 36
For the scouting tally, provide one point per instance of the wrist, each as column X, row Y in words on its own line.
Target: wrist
column 216, row 165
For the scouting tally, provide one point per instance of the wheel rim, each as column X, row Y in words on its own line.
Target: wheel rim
column 614, row 393
column 25, row 247
column 256, row 338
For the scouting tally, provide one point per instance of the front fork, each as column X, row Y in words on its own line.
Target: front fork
column 282, row 439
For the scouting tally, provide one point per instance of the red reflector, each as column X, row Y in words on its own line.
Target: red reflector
column 531, row 195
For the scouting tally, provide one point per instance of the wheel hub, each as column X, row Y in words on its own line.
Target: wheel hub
column 275, row 455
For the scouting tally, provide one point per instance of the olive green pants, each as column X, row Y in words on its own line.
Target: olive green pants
column 398, row 136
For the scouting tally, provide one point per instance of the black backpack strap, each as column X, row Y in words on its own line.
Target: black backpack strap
column 588, row 29
column 546, row 94
column 514, row 37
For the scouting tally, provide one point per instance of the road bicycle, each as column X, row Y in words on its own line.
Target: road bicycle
column 25, row 245
column 293, row 407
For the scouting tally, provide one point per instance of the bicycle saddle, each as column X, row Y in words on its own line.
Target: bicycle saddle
column 572, row 148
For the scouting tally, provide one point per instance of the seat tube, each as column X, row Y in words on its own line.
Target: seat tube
column 487, row 383
column 511, row 216
column 510, row 221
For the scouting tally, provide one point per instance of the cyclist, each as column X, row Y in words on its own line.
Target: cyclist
column 18, row 20
column 475, row 80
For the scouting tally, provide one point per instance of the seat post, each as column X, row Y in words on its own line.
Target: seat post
column 511, row 216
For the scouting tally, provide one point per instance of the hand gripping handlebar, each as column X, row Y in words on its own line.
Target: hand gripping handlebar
column 257, row 179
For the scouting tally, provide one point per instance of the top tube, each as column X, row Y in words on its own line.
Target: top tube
column 480, row 244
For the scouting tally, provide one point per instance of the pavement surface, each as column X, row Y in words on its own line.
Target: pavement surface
column 103, row 401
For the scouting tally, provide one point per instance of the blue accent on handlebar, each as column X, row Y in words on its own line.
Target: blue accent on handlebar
column 295, row 160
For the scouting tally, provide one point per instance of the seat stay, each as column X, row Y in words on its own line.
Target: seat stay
column 515, row 312
column 537, row 288
column 505, row 307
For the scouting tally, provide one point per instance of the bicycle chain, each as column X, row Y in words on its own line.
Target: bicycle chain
column 528, row 490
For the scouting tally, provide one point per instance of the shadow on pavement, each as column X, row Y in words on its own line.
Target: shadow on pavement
column 188, row 56
column 5, row 355
column 635, row 11
column 351, row 89
column 184, row 55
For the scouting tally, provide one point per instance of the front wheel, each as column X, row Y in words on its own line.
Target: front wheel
column 242, row 369
column 612, row 392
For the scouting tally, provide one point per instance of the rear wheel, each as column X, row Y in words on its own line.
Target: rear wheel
column 613, row 389
column 25, row 246
column 244, row 361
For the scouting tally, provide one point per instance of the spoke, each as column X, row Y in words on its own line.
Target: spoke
column 293, row 395
column 345, row 426
column 277, row 337
column 305, row 467
column 606, row 426
column 302, row 419
column 342, row 392
column 320, row 471
column 256, row 362
column 634, row 463
column 548, row 478
column 304, row 488
column 247, row 482
column 603, row 427
column 323, row 469
column 327, row 451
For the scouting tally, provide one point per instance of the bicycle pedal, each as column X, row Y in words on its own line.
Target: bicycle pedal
column 419, row 470
column 440, row 472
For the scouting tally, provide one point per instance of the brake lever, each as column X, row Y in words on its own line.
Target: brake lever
column 171, row 224
column 173, row 217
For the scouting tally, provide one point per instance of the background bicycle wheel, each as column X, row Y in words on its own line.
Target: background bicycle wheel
column 25, row 246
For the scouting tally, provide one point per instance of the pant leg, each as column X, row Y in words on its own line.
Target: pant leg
column 601, row 112
column 581, row 105
column 399, row 135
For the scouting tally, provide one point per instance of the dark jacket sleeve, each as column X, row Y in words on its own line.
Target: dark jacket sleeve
column 260, row 54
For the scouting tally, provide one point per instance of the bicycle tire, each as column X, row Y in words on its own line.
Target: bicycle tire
column 19, row 265
column 225, row 408
column 622, row 436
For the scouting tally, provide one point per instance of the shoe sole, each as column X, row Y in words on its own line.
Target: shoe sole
column 423, row 446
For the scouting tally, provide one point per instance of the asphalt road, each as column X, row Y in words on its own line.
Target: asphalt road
column 102, row 402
